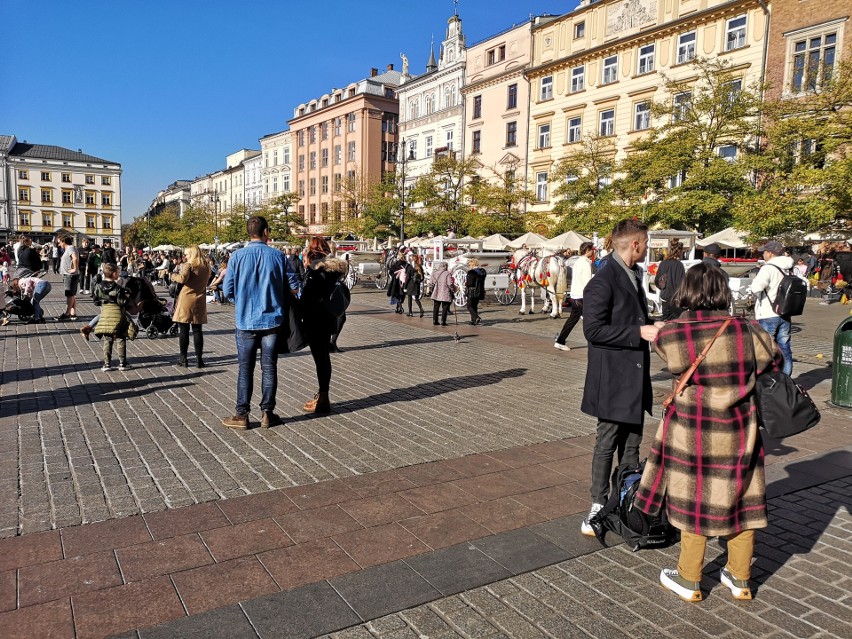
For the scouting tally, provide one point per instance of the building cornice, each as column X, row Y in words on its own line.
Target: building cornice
column 422, row 80
column 485, row 83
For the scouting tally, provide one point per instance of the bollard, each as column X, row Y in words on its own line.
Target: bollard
column 841, row 375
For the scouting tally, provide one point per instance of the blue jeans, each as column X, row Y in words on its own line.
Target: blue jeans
column 779, row 329
column 39, row 293
column 247, row 344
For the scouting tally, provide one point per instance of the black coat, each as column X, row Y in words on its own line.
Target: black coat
column 29, row 261
column 618, row 378
column 413, row 281
column 320, row 279
column 669, row 276
column 395, row 289
column 474, row 283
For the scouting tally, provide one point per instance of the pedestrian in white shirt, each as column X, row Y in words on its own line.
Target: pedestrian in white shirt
column 765, row 289
column 581, row 274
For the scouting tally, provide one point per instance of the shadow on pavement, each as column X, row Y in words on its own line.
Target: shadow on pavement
column 403, row 342
column 142, row 362
column 811, row 378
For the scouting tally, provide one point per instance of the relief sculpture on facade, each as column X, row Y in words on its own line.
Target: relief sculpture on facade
column 630, row 15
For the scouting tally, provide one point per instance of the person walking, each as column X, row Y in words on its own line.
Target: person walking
column 581, row 275
column 44, row 254
column 765, row 288
column 711, row 254
column 414, row 283
column 108, row 255
column 706, row 463
column 474, row 285
column 70, row 271
column 255, row 283
column 83, row 258
column 668, row 278
column 617, row 389
column 396, row 281
column 323, row 273
column 443, row 289
column 113, row 323
column 54, row 257
column 191, row 304
column 93, row 265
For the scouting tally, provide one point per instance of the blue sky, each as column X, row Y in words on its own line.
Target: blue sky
column 169, row 88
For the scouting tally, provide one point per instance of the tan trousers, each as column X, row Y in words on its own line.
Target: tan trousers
column 740, row 552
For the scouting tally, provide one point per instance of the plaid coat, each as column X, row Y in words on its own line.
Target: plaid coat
column 706, row 462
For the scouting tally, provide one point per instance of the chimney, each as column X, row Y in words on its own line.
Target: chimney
column 374, row 72
column 390, row 67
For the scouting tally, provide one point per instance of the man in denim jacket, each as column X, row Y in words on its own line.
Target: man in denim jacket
column 255, row 283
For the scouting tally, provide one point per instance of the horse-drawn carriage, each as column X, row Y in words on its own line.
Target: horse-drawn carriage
column 365, row 262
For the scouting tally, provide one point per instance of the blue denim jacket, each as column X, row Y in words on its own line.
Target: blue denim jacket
column 255, row 283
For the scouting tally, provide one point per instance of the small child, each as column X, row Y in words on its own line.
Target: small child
column 4, row 272
column 114, row 322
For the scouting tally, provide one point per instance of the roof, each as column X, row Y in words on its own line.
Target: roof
column 49, row 152
column 6, row 142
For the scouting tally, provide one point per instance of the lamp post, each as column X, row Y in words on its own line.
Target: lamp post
column 404, row 155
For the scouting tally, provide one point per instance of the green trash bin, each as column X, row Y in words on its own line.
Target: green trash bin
column 841, row 376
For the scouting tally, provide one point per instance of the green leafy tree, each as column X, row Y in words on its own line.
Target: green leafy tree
column 379, row 213
column 497, row 199
column 443, row 194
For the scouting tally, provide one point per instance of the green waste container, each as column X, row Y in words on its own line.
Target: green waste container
column 841, row 376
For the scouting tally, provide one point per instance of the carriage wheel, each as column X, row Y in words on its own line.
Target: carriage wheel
column 351, row 277
column 459, row 277
column 382, row 280
column 506, row 295
column 151, row 331
column 174, row 330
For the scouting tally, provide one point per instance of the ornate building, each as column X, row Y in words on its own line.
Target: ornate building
column 275, row 170
column 45, row 189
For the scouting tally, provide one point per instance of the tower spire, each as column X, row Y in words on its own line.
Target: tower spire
column 432, row 64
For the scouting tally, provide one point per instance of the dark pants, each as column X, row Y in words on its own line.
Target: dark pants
column 340, row 322
column 319, row 342
column 197, row 340
column 120, row 347
column 444, row 307
column 612, row 437
column 473, row 308
column 670, row 312
column 416, row 301
column 574, row 316
column 248, row 342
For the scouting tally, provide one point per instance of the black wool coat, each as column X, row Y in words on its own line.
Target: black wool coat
column 618, row 379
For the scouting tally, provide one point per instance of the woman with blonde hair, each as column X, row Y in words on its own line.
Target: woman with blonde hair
column 191, row 303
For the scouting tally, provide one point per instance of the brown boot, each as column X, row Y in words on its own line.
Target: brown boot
column 319, row 404
column 86, row 330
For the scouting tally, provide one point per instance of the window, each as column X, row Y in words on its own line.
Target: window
column 641, row 116
column 682, row 102
column 676, row 180
column 646, row 59
column 607, row 123
column 312, row 134
column 90, row 179
column 511, row 134
column 728, row 152
column 686, row 47
column 266, row 160
column 430, row 103
column 512, row 101
column 47, row 220
column 541, row 187
column 610, row 69
column 285, row 183
column 477, row 141
column 428, row 146
column 324, row 212
column 312, row 188
column 324, row 157
column 106, row 199
column 813, row 62
column 477, row 106
column 495, row 55
column 735, row 33
column 275, row 158
column 46, row 195
column 24, row 195
column 546, row 88
column 351, row 124
column 301, row 161
column 313, row 159
column 735, row 87
column 91, row 221
column 604, row 179
column 275, row 184
column 324, row 184
column 24, row 218
column 286, row 155
column 301, row 188
column 324, row 126
column 45, row 176
column 66, row 177
column 338, row 154
column 580, row 30
column 67, row 197
column 335, row 207
column 338, row 182
column 543, row 136
column 578, row 78
column 351, row 152
column 302, row 137
column 449, row 140
column 574, row 133
column 338, row 126
column 23, row 175
column 105, row 180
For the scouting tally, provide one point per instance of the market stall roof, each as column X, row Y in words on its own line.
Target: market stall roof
column 729, row 238
column 495, row 242
column 532, row 240
column 569, row 240
column 166, row 247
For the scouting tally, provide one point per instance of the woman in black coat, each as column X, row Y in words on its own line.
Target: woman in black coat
column 322, row 273
column 474, row 285
column 414, row 277
column 395, row 287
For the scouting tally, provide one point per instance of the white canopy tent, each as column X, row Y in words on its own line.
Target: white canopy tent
column 532, row 240
column 729, row 238
column 166, row 247
column 570, row 240
column 495, row 242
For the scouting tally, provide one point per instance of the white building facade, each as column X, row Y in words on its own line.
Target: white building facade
column 275, row 170
column 253, row 181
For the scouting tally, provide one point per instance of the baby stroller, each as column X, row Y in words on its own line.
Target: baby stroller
column 11, row 304
column 155, row 314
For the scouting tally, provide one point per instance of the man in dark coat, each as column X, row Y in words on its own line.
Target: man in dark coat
column 618, row 382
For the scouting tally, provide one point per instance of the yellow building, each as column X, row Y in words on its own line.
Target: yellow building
column 596, row 70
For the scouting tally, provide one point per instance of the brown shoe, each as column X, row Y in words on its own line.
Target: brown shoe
column 86, row 330
column 319, row 404
column 269, row 419
column 240, row 422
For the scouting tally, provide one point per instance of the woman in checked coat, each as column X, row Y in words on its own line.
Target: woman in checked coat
column 706, row 462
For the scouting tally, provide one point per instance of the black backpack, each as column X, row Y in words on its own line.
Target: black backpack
column 791, row 295
column 620, row 516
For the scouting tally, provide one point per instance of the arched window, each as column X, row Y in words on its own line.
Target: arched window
column 430, row 103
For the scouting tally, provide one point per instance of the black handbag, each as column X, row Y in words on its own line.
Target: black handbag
column 175, row 289
column 292, row 336
column 784, row 408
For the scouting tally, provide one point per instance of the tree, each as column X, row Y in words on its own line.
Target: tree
column 443, row 194
column 497, row 198
column 379, row 214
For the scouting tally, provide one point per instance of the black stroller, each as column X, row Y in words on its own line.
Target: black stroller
column 15, row 305
column 155, row 314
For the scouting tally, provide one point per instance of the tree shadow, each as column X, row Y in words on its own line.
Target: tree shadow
column 418, row 392
column 811, row 378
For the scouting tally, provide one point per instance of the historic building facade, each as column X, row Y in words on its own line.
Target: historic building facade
column 595, row 70
column 432, row 107
column 275, row 170
column 177, row 195
column 45, row 189
column 342, row 142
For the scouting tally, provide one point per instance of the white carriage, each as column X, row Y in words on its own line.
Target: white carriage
column 365, row 261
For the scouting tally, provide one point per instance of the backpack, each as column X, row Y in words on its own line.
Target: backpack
column 338, row 300
column 621, row 517
column 791, row 295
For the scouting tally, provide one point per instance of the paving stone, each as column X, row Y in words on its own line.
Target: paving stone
column 244, row 539
column 60, row 579
column 208, row 587
column 229, row 622
column 162, row 557
column 306, row 563
column 521, row 550
column 51, row 619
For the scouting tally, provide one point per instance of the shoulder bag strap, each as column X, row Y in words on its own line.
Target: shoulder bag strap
column 684, row 379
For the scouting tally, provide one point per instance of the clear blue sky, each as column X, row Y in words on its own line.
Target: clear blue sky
column 169, row 88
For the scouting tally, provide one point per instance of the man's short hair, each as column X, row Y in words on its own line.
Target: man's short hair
column 109, row 270
column 67, row 240
column 256, row 225
column 585, row 247
column 627, row 229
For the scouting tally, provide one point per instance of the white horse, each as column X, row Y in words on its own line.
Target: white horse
column 549, row 273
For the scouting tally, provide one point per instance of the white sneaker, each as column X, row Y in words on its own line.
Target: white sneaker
column 585, row 527
column 561, row 347
column 106, row 367
column 686, row 590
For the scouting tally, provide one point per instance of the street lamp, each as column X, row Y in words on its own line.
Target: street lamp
column 404, row 155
